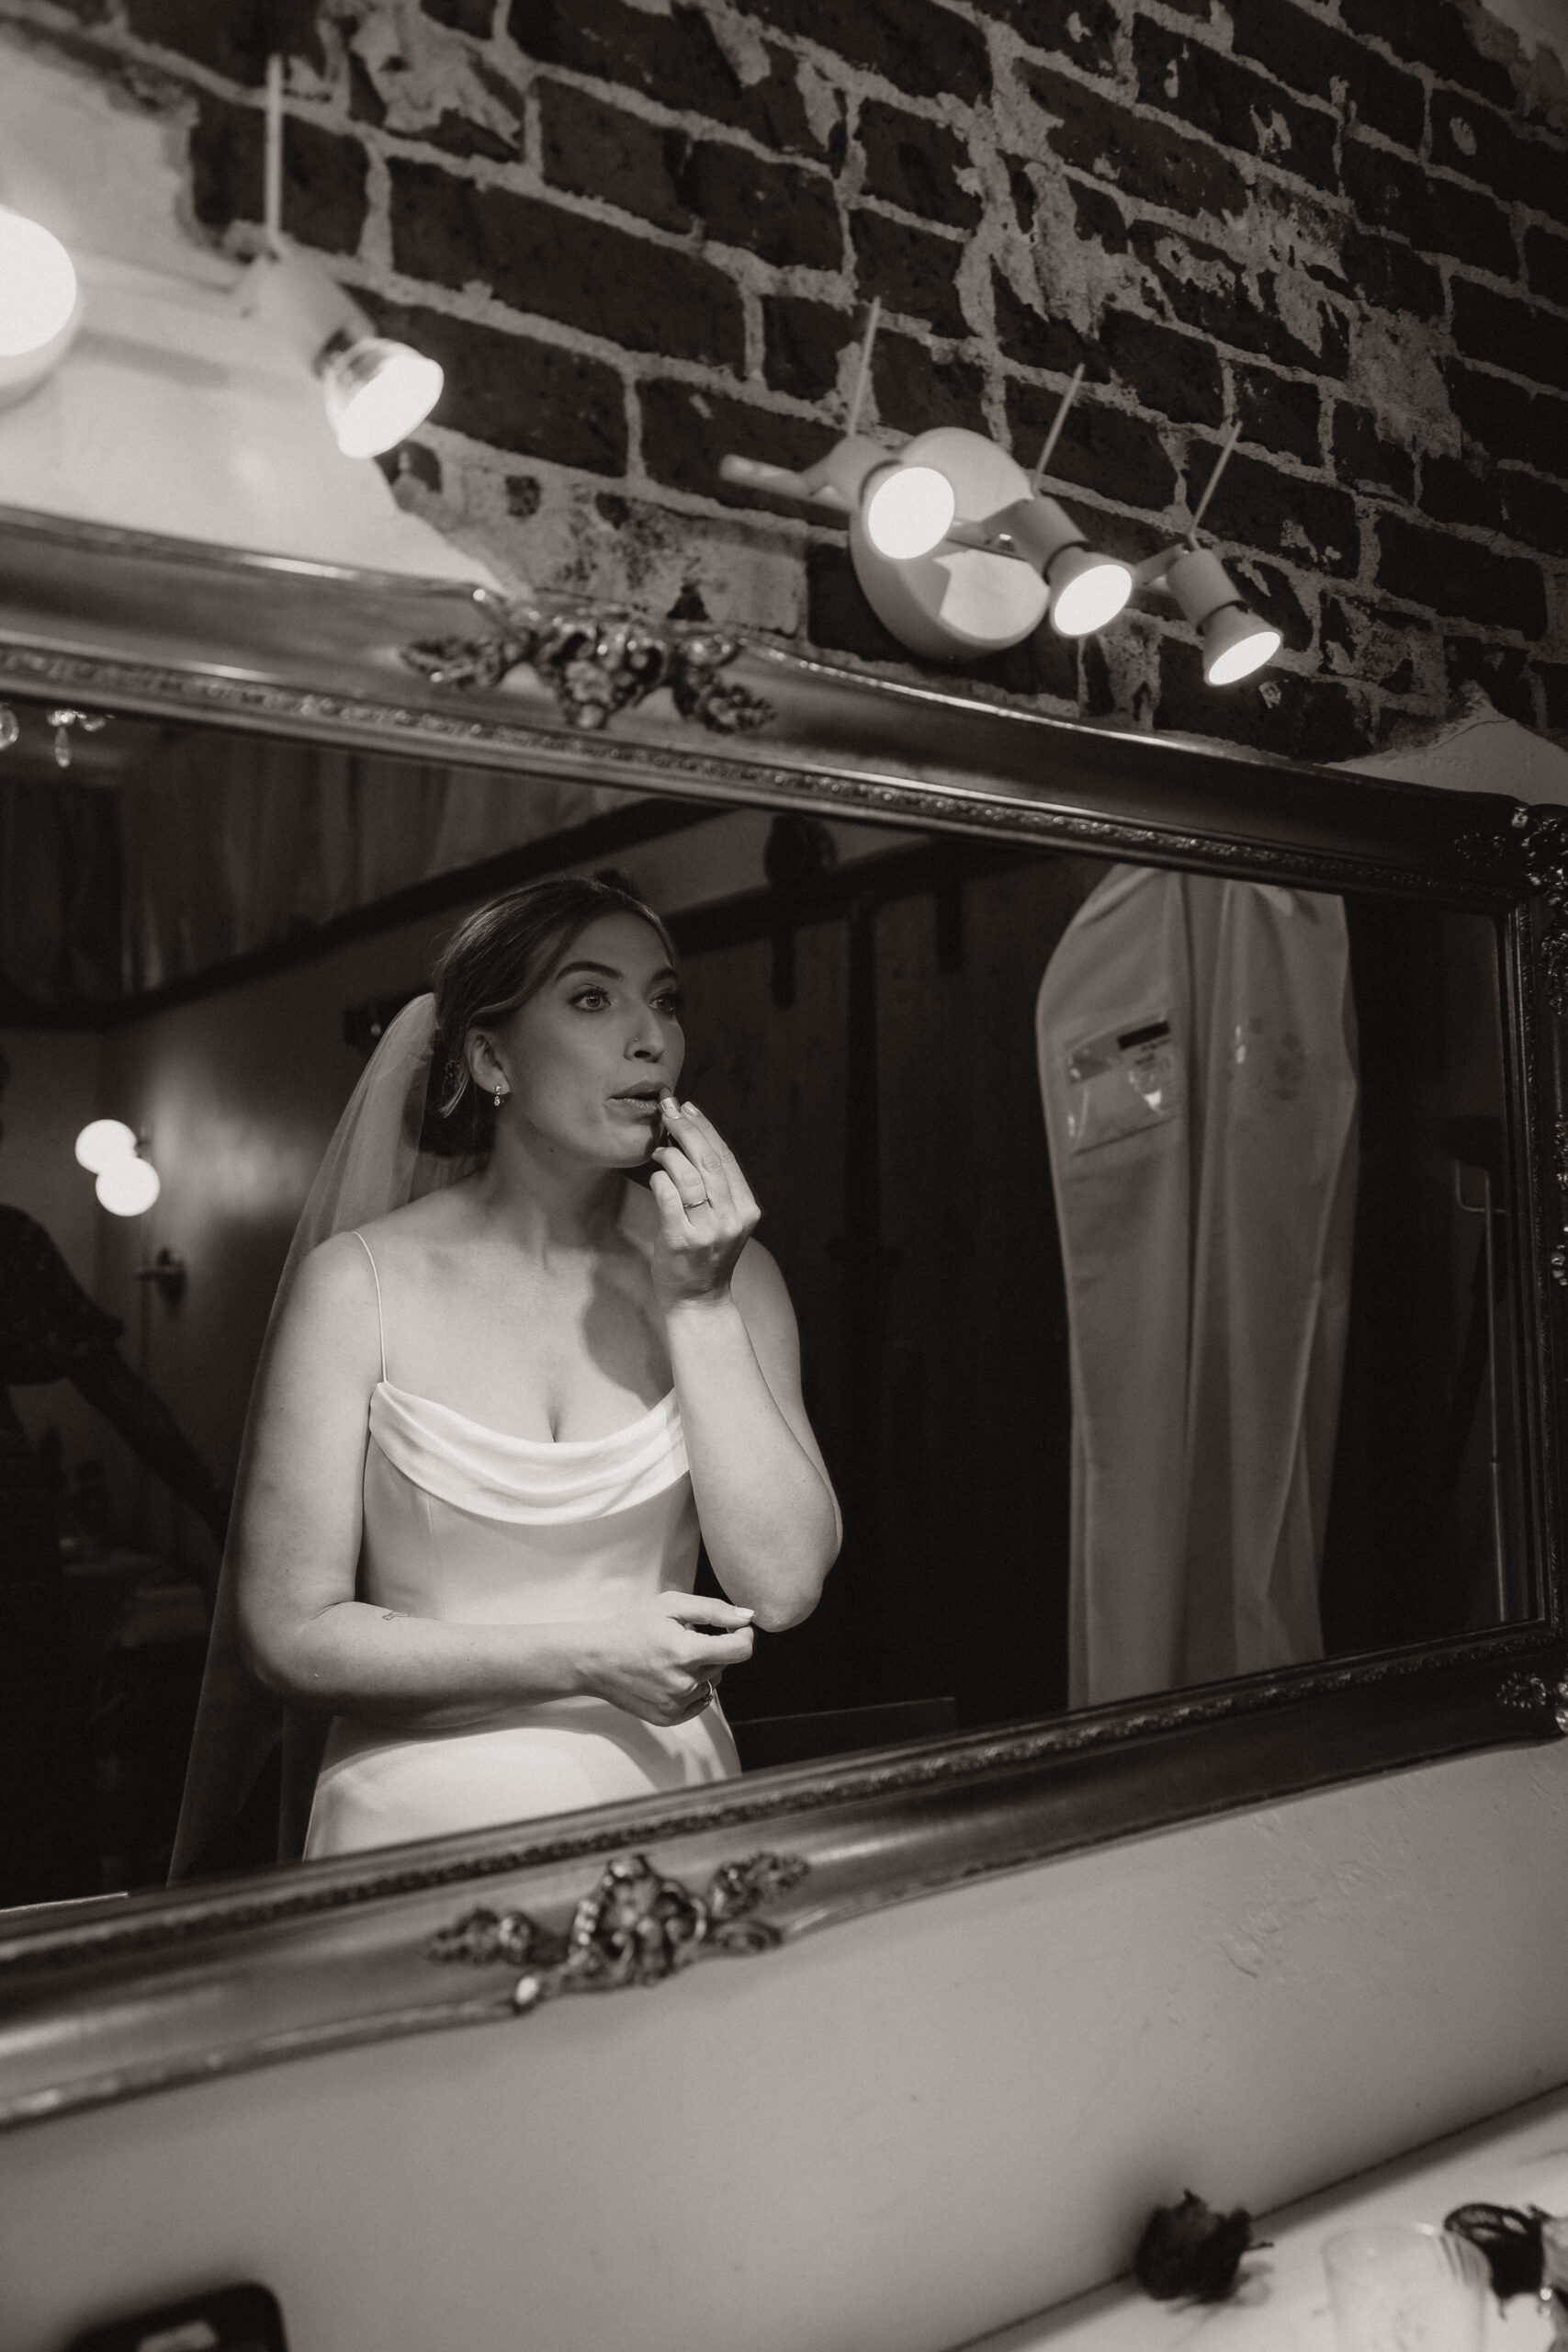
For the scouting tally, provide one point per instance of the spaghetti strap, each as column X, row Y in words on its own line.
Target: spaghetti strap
column 380, row 1320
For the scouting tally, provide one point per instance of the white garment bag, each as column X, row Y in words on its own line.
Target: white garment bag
column 1198, row 1067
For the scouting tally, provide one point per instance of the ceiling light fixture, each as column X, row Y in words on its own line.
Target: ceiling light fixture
column 1087, row 589
column 40, row 304
column 127, row 1184
column 376, row 391
column 1236, row 642
column 102, row 1142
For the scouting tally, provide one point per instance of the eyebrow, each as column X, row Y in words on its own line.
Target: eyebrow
column 609, row 971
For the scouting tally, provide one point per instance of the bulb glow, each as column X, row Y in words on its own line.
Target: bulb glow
column 1236, row 643
column 128, row 1187
column 1087, row 591
column 376, row 394
column 909, row 512
column 103, row 1142
column 38, row 285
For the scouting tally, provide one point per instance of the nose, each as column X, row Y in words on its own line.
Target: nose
column 645, row 1041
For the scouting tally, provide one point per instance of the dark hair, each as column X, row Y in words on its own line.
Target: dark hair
column 496, row 959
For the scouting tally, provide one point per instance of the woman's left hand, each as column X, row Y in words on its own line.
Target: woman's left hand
column 706, row 1213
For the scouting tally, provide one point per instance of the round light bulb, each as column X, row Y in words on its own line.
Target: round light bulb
column 1236, row 643
column 102, row 1142
column 1087, row 591
column 38, row 285
column 127, row 1187
column 909, row 512
column 376, row 392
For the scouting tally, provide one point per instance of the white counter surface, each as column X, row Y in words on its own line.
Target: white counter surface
column 1280, row 2304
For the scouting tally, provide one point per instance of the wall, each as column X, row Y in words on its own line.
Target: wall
column 888, row 2139
column 639, row 233
column 50, row 1096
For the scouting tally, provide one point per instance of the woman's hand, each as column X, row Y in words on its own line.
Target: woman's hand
column 706, row 1213
column 663, row 1662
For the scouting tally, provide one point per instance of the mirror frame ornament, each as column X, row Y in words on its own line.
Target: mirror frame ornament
column 182, row 1987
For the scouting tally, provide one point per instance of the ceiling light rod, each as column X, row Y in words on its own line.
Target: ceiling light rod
column 272, row 158
column 1213, row 482
column 825, row 481
column 1063, row 405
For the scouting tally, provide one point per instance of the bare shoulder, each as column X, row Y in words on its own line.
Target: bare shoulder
column 432, row 1223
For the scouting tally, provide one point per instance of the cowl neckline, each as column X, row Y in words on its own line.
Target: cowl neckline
column 476, row 1468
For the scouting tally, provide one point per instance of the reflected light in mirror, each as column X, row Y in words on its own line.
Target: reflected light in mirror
column 376, row 392
column 1087, row 591
column 127, row 1187
column 102, row 1143
column 909, row 512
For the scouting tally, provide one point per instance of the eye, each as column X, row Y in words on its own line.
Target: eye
column 669, row 1001
column 591, row 998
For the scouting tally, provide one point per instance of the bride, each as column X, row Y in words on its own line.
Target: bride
column 490, row 1424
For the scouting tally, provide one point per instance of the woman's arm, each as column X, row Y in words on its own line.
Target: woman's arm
column 769, row 1516
column 295, row 1550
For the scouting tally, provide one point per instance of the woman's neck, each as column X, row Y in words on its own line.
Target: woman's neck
column 545, row 1200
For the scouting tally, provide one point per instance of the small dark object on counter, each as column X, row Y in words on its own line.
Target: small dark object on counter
column 1187, row 2249
column 1510, row 2240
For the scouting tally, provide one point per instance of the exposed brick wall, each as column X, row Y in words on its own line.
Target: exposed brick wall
column 641, row 232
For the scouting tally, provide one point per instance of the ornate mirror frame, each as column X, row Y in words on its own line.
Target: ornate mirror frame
column 103, row 2002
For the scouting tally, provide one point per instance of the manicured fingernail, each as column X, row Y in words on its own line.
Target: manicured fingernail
column 690, row 1109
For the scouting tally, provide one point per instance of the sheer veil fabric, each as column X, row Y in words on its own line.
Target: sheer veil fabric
column 373, row 1164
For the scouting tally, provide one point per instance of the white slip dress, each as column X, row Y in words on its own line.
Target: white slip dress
column 467, row 1526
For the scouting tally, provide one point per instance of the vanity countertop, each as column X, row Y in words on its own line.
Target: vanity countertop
column 1281, row 2302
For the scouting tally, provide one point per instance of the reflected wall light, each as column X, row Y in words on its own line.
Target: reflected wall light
column 1235, row 642
column 127, row 1184
column 375, row 390
column 40, row 304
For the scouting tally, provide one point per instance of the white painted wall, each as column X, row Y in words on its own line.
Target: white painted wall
column 890, row 2138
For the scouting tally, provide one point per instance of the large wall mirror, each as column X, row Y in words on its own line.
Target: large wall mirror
column 1156, row 1149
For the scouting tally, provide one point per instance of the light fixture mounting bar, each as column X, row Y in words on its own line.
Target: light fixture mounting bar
column 1063, row 405
column 863, row 372
column 1221, row 462
column 272, row 156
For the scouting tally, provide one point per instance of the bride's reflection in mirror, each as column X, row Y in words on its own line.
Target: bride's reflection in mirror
column 493, row 1422
column 1152, row 1238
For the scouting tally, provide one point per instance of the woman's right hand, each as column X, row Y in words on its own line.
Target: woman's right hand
column 663, row 1662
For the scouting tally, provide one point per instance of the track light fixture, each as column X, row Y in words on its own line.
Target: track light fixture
column 375, row 390
column 1235, row 642
column 1087, row 589
column 40, row 306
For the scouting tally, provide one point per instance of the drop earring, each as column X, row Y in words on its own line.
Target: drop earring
column 499, row 1097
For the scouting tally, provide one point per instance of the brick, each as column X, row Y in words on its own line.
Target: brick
column 1099, row 217
column 1502, row 670
column 455, row 135
column 475, row 17
column 786, row 215
column 1362, row 456
column 555, row 264
column 592, row 149
column 916, row 391
column 685, row 432
column 1434, row 33
column 1505, row 421
column 673, row 58
column 1455, row 491
column 802, row 342
column 236, row 39
column 1101, row 448
column 1035, row 342
column 513, row 392
column 1354, row 638
column 1458, row 578
column 922, row 49
column 916, row 163
column 1321, row 62
column 838, row 619
column 1313, row 524
column 1516, row 167
column 1176, row 375
column 1140, row 157
column 1279, row 413
column 1228, row 101
column 324, row 200
column 1535, row 513
column 1386, row 274
column 1276, row 710
column 1084, row 30
column 1025, row 202
column 1545, row 261
column 1273, row 593
column 1436, row 215
column 1208, row 291
column 912, row 269
column 1510, row 334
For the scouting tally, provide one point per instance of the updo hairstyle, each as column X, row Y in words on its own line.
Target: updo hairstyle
column 496, row 959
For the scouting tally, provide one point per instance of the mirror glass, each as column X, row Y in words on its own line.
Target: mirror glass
column 1151, row 1237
